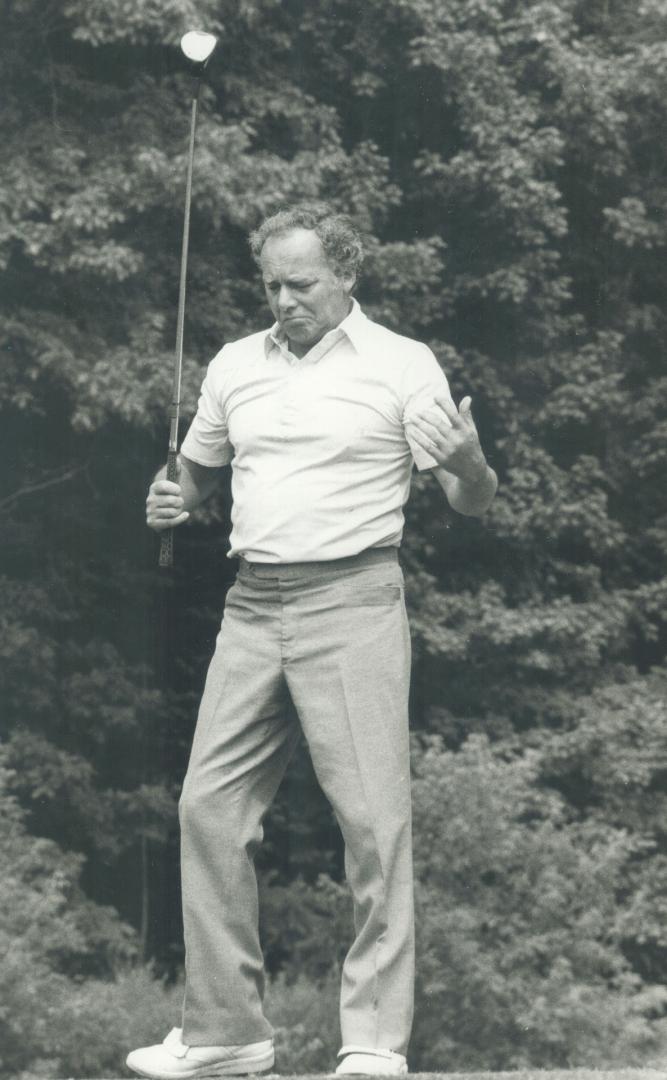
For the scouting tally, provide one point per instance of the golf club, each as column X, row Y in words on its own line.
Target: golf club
column 198, row 47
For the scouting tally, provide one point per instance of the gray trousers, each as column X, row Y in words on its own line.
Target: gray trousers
column 334, row 638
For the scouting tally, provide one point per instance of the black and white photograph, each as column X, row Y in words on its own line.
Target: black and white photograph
column 333, row 532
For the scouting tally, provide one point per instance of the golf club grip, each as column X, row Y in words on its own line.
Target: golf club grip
column 167, row 549
column 167, row 538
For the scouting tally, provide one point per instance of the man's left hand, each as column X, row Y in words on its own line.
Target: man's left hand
column 450, row 436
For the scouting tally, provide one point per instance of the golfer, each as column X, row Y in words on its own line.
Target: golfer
column 321, row 418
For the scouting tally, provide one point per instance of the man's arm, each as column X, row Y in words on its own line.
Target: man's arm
column 169, row 504
column 450, row 436
column 471, row 497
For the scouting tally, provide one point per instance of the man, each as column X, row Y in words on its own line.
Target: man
column 321, row 419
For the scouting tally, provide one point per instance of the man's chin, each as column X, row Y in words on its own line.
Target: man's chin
column 300, row 333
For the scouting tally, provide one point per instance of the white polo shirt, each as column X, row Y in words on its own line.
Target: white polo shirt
column 321, row 459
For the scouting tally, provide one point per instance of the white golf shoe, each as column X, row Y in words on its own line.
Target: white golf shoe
column 364, row 1061
column 173, row 1060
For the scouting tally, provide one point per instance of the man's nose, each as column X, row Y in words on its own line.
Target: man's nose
column 286, row 301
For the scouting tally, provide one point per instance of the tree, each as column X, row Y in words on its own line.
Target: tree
column 521, row 956
column 49, row 933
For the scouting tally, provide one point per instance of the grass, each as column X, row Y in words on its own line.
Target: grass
column 554, row 1074
column 521, row 1074
column 518, row 1074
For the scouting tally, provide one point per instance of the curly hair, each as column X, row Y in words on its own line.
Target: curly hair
column 338, row 235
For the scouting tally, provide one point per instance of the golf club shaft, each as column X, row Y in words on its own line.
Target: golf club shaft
column 167, row 539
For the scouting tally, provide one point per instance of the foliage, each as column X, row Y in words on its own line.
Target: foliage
column 303, row 1015
column 49, row 933
column 611, row 763
column 503, row 161
column 307, row 929
column 520, row 956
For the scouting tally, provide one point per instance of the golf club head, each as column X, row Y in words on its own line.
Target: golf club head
column 198, row 46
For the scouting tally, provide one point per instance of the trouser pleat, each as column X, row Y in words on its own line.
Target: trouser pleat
column 244, row 737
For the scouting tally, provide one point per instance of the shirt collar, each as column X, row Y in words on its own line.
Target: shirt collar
column 352, row 326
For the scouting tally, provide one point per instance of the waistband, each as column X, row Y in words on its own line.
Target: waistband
column 370, row 557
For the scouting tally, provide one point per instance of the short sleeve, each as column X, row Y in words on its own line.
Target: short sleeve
column 424, row 378
column 207, row 441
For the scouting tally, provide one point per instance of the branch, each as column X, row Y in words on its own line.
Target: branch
column 42, row 485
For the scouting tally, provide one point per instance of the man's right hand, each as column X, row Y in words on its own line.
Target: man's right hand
column 167, row 498
column 164, row 506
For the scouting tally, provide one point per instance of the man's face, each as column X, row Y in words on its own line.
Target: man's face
column 305, row 296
